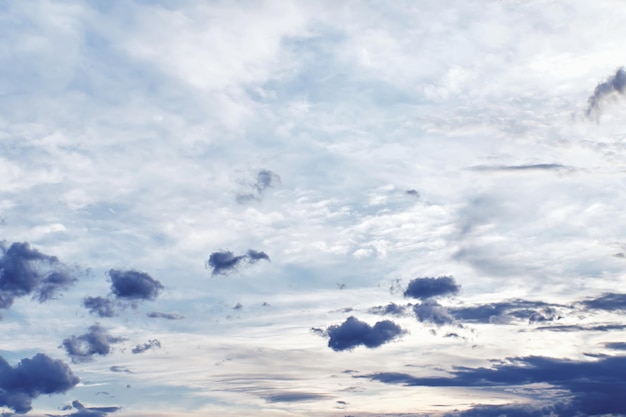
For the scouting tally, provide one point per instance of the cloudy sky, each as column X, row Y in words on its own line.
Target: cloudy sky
column 331, row 208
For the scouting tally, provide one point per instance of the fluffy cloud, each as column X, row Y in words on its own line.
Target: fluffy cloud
column 353, row 332
column 134, row 285
column 26, row 271
column 423, row 288
column 224, row 262
column 95, row 342
column 101, row 306
column 432, row 312
column 21, row 384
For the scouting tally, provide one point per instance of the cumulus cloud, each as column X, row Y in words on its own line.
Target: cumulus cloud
column 423, row 288
column 167, row 316
column 95, row 342
column 432, row 312
column 614, row 85
column 353, row 332
column 223, row 262
column 26, row 271
column 151, row 344
column 134, row 285
column 264, row 179
column 101, row 306
column 596, row 386
column 21, row 384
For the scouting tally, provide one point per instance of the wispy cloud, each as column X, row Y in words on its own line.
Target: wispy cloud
column 614, row 85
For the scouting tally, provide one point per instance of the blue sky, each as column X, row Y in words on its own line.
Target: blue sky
column 312, row 208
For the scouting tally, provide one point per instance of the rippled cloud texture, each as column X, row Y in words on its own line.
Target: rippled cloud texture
column 290, row 208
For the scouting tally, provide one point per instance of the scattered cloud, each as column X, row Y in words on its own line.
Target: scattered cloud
column 120, row 369
column 432, row 312
column 527, row 167
column 423, row 288
column 150, row 344
column 292, row 397
column 167, row 316
column 95, row 342
column 264, row 179
column 101, row 306
column 595, row 386
column 606, row 302
column 506, row 311
column 83, row 411
column 615, row 84
column 133, row 285
column 353, row 333
column 391, row 309
column 413, row 193
column 224, row 262
column 26, row 271
column 21, row 384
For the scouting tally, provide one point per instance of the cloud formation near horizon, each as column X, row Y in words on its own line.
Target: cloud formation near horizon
column 21, row 384
column 224, row 262
column 26, row 271
column 353, row 332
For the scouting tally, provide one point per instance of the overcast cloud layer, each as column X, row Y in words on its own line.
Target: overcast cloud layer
column 312, row 208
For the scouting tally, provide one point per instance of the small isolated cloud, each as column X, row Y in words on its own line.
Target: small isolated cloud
column 21, row 384
column 134, row 285
column 390, row 309
column 101, row 306
column 424, row 288
column 413, row 193
column 151, row 344
column 526, row 167
column 167, row 316
column 614, row 85
column 95, row 342
column 292, row 397
column 223, row 262
column 83, row 411
column 507, row 311
column 120, row 369
column 26, row 271
column 353, row 332
column 432, row 312
column 264, row 179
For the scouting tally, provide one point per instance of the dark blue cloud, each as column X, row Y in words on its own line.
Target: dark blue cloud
column 391, row 309
column 103, row 307
column 607, row 302
column 83, row 411
column 151, row 344
column 507, row 411
column 21, row 384
column 423, row 288
column 134, row 285
column 615, row 84
column 432, row 312
column 504, row 312
column 95, row 342
column 596, row 387
column 354, row 332
column 615, row 345
column 224, row 262
column 26, row 271
column 167, row 316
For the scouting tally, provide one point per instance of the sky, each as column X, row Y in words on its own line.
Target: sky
column 330, row 208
